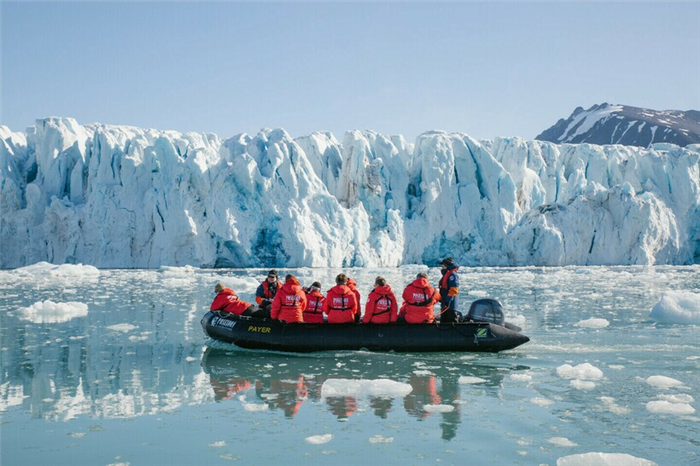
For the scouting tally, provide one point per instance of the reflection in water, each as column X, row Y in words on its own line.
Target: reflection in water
column 287, row 386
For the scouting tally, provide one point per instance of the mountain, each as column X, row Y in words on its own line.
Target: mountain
column 126, row 197
column 629, row 126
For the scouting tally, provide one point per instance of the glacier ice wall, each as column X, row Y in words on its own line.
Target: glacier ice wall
column 118, row 196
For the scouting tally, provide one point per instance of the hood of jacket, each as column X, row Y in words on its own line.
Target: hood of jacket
column 421, row 282
column 292, row 286
column 380, row 290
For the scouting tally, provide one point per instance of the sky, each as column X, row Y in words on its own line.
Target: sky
column 485, row 69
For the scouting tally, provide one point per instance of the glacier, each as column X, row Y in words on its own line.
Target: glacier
column 127, row 197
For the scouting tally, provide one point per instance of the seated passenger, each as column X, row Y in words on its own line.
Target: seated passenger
column 381, row 305
column 267, row 290
column 226, row 300
column 419, row 300
column 352, row 284
column 313, row 313
column 340, row 304
column 290, row 301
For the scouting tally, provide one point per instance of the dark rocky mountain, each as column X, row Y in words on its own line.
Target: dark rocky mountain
column 630, row 126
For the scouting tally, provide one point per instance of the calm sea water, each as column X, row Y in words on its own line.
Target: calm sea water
column 136, row 381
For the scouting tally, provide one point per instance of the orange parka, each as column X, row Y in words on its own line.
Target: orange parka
column 313, row 313
column 340, row 305
column 419, row 300
column 381, row 307
column 289, row 302
column 227, row 301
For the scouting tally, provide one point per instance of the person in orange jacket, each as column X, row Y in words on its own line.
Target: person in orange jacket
column 289, row 302
column 352, row 284
column 419, row 300
column 226, row 300
column 340, row 304
column 313, row 312
column 381, row 307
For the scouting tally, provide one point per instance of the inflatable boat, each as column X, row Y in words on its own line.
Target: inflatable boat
column 484, row 330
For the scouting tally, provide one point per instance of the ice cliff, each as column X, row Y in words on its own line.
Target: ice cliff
column 118, row 196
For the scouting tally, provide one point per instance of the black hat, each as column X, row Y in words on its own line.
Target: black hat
column 317, row 285
column 448, row 262
column 272, row 273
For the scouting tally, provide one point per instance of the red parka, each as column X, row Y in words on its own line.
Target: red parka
column 419, row 300
column 381, row 307
column 340, row 305
column 227, row 301
column 289, row 302
column 313, row 313
column 352, row 284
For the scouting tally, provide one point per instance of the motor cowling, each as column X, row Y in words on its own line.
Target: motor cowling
column 487, row 310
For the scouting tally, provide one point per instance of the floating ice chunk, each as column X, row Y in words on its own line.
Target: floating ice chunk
column 582, row 384
column 72, row 272
column 562, row 442
column 478, row 293
column 603, row 459
column 190, row 359
column 122, row 327
column 677, row 307
column 48, row 312
column 541, row 401
column 680, row 398
column 593, row 323
column 438, row 408
column 319, row 439
column 617, row 367
column 611, row 406
column 583, row 371
column 466, row 379
column 218, row 444
column 376, row 387
column 660, row 381
column 521, row 377
column 255, row 407
column 666, row 407
column 380, row 439
column 422, row 372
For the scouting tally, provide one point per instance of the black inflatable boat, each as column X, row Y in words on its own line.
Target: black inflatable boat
column 484, row 330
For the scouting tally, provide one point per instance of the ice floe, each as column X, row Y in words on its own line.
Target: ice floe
column 376, row 387
column 319, row 439
column 48, row 312
column 677, row 307
column 585, row 371
column 593, row 323
column 603, row 459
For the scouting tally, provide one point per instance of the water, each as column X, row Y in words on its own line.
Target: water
column 137, row 382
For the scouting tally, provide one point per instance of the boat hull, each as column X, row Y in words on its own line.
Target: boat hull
column 247, row 332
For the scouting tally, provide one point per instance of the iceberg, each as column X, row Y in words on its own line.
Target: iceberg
column 126, row 197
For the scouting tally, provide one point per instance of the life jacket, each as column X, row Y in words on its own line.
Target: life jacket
column 227, row 301
column 419, row 300
column 340, row 305
column 266, row 292
column 289, row 303
column 313, row 313
column 446, row 277
column 381, row 307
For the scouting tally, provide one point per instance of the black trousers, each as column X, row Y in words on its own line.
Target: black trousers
column 255, row 311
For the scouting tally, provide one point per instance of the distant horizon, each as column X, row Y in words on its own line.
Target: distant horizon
column 486, row 70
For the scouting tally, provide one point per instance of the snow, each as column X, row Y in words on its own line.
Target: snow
column 677, row 307
column 375, row 387
column 603, row 459
column 49, row 312
column 120, row 196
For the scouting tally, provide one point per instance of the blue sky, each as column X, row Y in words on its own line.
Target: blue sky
column 500, row 69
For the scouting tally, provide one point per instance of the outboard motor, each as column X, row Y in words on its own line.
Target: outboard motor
column 487, row 310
